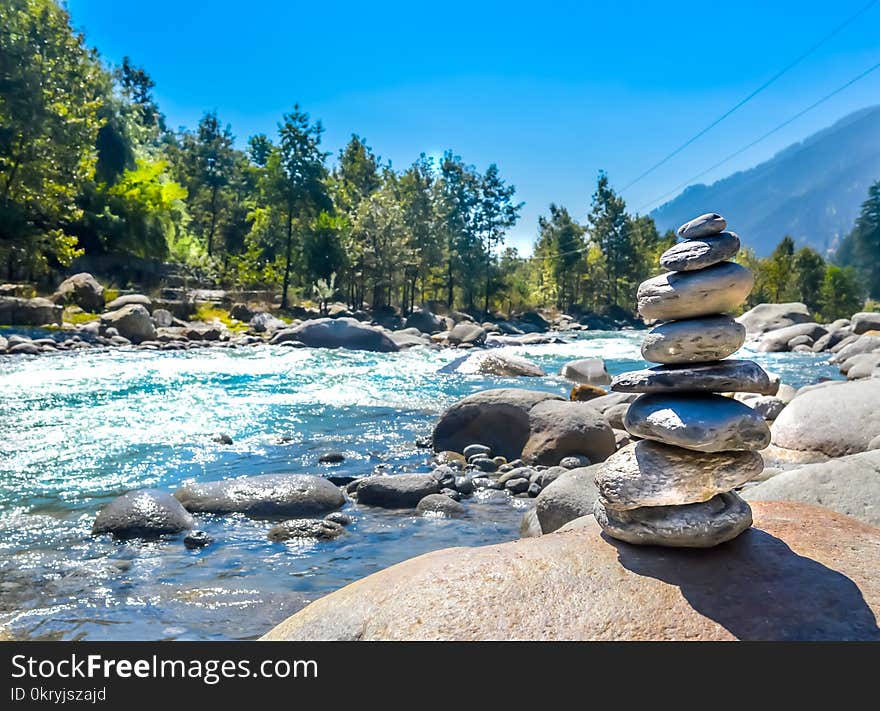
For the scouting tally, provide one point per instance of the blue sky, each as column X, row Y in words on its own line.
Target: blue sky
column 551, row 92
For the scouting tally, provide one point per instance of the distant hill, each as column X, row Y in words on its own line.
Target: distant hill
column 811, row 190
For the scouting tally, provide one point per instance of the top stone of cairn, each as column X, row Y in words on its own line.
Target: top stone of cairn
column 709, row 224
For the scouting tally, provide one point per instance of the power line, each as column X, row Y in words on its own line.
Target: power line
column 751, row 96
column 765, row 136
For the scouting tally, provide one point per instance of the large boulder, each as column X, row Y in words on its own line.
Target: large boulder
column 425, row 321
column 132, row 322
column 341, row 332
column 777, row 340
column 866, row 343
column 263, row 496
column 82, row 290
column 559, row 429
column 570, row 496
column 589, row 371
column 770, row 317
column 397, row 491
column 143, row 514
column 494, row 363
column 865, row 321
column 467, row 333
column 849, row 485
column 497, row 418
column 15, row 311
column 836, row 419
column 801, row 573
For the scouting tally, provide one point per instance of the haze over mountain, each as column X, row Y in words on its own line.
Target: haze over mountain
column 811, row 190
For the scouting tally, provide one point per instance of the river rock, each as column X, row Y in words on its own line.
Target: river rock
column 836, row 419
column 865, row 321
column 583, row 392
column 849, row 485
column 700, row 525
column 25, row 348
column 829, row 340
column 588, row 371
column 700, row 252
column 558, row 429
column 709, row 224
column 348, row 333
column 425, row 321
column 675, row 295
column 492, row 363
column 440, row 505
column 129, row 300
column 321, row 529
column 570, row 496
column 861, row 365
column 723, row 376
column 83, row 290
column 579, row 585
column 264, row 322
column 693, row 340
column 497, row 418
column 772, row 317
column 467, row 334
column 262, row 496
column 15, row 311
column 530, row 527
column 397, row 491
column 143, row 514
column 163, row 318
column 866, row 343
column 705, row 422
column 648, row 473
column 767, row 406
column 778, row 340
column 132, row 322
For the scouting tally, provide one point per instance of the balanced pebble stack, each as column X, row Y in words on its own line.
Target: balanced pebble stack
column 674, row 486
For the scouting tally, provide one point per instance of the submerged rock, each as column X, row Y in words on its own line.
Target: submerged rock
column 143, row 514
column 440, row 505
column 265, row 495
column 802, row 573
column 321, row 529
column 397, row 491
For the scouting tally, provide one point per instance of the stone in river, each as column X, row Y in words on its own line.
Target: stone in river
column 321, row 529
column 701, row 525
column 694, row 340
column 709, row 224
column 674, row 295
column 648, row 473
column 142, row 514
column 701, row 252
column 743, row 376
column 397, row 491
column 702, row 422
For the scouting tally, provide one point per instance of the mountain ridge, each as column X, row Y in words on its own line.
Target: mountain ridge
column 812, row 189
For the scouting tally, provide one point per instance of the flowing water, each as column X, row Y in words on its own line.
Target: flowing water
column 78, row 429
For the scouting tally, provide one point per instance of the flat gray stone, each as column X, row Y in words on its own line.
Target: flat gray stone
column 709, row 224
column 590, row 371
column 705, row 423
column 440, row 505
column 770, row 317
column 693, row 340
column 648, row 473
column 702, row 525
column 865, row 321
column 721, row 377
column 397, row 491
column 701, row 252
column 265, row 495
column 674, row 295
column 320, row 529
column 779, row 340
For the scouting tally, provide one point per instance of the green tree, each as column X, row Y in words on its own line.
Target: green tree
column 611, row 229
column 841, row 293
column 561, row 248
column 861, row 247
column 415, row 188
column 779, row 270
column 808, row 274
column 50, row 97
column 495, row 213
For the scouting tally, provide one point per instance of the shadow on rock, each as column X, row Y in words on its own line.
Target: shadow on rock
column 758, row 588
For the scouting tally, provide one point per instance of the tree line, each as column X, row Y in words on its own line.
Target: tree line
column 89, row 166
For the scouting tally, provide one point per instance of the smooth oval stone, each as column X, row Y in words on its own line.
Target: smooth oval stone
column 713, row 290
column 702, row 525
column 694, row 340
column 709, row 224
column 726, row 376
column 702, row 422
column 701, row 252
column 648, row 473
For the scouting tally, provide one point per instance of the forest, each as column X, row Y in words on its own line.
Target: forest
column 88, row 166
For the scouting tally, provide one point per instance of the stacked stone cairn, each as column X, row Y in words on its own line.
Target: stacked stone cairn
column 674, row 485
